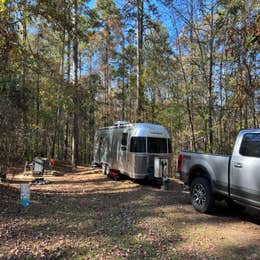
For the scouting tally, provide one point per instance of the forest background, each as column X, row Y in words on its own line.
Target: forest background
column 68, row 67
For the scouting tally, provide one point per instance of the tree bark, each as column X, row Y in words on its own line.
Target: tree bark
column 210, row 82
column 75, row 135
column 139, row 97
column 58, row 111
column 66, row 141
column 123, row 79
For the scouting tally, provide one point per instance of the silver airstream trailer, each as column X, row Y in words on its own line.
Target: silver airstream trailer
column 140, row 150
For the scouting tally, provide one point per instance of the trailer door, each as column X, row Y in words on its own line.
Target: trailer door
column 123, row 160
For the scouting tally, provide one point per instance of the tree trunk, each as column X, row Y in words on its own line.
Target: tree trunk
column 24, row 76
column 123, row 79
column 58, row 111
column 188, row 106
column 75, row 134
column 66, row 141
column 210, row 82
column 139, row 97
column 37, row 103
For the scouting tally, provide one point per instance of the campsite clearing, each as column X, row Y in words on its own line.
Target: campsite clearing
column 85, row 215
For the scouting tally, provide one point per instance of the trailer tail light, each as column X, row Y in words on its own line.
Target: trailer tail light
column 180, row 159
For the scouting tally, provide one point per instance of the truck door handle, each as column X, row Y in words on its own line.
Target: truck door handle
column 238, row 165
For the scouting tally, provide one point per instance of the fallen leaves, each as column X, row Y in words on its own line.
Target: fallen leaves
column 87, row 216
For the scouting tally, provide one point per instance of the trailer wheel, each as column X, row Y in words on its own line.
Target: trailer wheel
column 201, row 195
column 116, row 177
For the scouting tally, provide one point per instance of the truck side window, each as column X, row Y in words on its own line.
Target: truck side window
column 138, row 145
column 250, row 145
column 124, row 139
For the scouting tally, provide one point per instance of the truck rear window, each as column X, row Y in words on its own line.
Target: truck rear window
column 157, row 145
column 250, row 145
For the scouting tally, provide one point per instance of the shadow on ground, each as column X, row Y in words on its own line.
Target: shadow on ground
column 98, row 218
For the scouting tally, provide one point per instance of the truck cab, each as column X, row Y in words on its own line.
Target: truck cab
column 244, row 175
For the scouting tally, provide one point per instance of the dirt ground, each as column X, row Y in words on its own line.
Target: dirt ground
column 85, row 215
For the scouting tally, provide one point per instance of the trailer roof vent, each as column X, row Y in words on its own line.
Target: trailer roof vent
column 120, row 123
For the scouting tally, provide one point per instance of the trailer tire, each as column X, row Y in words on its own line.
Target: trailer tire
column 202, row 198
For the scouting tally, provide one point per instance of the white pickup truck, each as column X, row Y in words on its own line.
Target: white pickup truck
column 234, row 178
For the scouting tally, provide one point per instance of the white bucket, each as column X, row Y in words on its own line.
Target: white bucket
column 25, row 194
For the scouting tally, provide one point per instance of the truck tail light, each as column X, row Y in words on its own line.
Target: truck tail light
column 180, row 159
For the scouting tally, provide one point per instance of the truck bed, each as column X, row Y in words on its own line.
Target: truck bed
column 216, row 165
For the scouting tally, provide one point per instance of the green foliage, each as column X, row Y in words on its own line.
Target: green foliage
column 2, row 5
column 198, row 78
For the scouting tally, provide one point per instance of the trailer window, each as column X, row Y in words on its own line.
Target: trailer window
column 138, row 145
column 157, row 145
column 124, row 138
column 250, row 145
column 169, row 146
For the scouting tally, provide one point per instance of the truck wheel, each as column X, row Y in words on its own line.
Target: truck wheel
column 235, row 206
column 201, row 195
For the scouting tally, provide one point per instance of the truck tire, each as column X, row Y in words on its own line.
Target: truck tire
column 201, row 195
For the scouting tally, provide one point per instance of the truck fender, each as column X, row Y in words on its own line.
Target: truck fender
column 199, row 170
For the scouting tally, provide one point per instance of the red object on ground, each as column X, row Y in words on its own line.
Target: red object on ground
column 114, row 173
column 52, row 162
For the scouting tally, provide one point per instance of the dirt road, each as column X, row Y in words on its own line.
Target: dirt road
column 85, row 215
